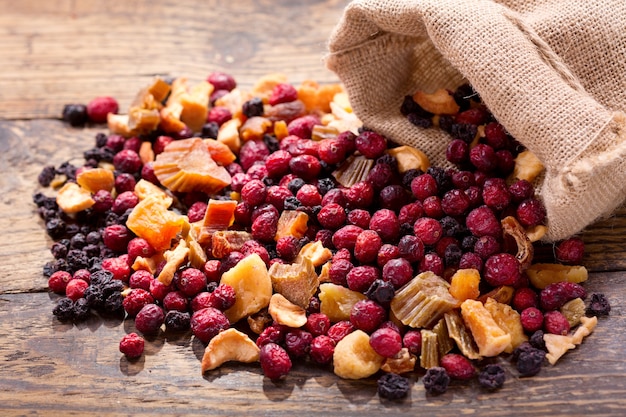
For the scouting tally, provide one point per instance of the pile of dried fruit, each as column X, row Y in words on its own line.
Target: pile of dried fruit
column 275, row 228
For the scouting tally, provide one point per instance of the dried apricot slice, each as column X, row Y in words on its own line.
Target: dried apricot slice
column 220, row 152
column 151, row 220
column 489, row 337
column 96, row 179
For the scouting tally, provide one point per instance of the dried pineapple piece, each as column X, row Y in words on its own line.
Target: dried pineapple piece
column 280, row 129
column 292, row 223
column 73, row 198
column 508, row 320
column 527, row 167
column 423, row 301
column 321, row 132
column 542, row 274
column 439, row 102
column 252, row 285
column 402, row 363
column 409, row 158
column 96, row 179
column 144, row 189
column 489, row 337
column 315, row 252
column 229, row 345
column 224, row 242
column 337, row 301
column 557, row 345
column 461, row 335
column 573, row 311
column 228, row 134
column 297, row 282
column 174, row 259
column 286, row 313
column 354, row 358
column 353, row 170
column 317, row 98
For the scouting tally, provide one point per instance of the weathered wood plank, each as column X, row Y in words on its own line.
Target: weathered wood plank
column 50, row 368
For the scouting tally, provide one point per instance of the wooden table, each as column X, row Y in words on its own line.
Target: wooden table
column 62, row 51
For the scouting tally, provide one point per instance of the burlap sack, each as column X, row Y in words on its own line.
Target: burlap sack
column 553, row 72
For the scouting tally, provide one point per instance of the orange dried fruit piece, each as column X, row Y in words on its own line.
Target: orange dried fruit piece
column 508, row 320
column 409, row 157
column 317, row 98
column 151, row 220
column 280, row 129
column 316, row 252
column 73, row 198
column 220, row 152
column 96, row 179
column 170, row 118
column 228, row 134
column 196, row 105
column 254, row 128
column 423, row 300
column 543, row 274
column 337, row 301
column 186, row 165
column 292, row 223
column 219, row 215
column 489, row 337
column 144, row 189
column 297, row 282
column 464, row 284
column 252, row 285
column 224, row 242
column 439, row 102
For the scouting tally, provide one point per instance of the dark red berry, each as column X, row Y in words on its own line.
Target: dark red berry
column 556, row 323
column 386, row 224
column 136, row 300
column 556, row 294
column 100, row 107
column 570, row 251
column 483, row 157
column 432, row 262
column 207, row 323
column 116, row 237
column 222, row 81
column 305, row 166
column 127, row 161
column 340, row 330
column 308, row 195
column 317, row 324
column 386, row 342
column 367, row 315
column 322, row 349
column 531, row 319
column 277, row 163
column 457, row 366
column 302, row 127
column 482, row 221
column 264, row 227
column 367, row 245
column 75, row 289
column 361, row 277
column 360, row 195
column 370, row 144
column 332, row 216
column 298, row 342
column 411, row 248
column 457, row 151
column 424, row 186
column 275, row 361
column 219, row 115
column 502, row 269
column 398, row 272
column 175, row 300
column 531, row 212
column 331, row 151
column 149, row 319
column 118, row 266
column 409, row 213
column 496, row 194
column 432, row 207
column 486, row 246
column 359, row 217
column 282, row 93
column 132, row 345
column 346, row 237
column 525, row 297
column 58, row 281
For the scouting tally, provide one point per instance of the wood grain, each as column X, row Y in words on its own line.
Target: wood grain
column 61, row 51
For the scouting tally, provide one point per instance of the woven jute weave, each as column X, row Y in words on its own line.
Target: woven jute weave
column 553, row 73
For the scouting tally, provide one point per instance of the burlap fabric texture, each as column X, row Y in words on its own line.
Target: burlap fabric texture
column 553, row 72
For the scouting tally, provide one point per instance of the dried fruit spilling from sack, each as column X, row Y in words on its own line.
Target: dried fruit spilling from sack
column 275, row 228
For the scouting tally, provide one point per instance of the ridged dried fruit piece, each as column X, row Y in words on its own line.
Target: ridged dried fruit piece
column 219, row 216
column 229, row 134
column 444, row 342
column 151, row 220
column 72, row 198
column 489, row 337
column 186, row 165
column 423, row 301
column 292, row 223
column 229, row 345
column 354, row 358
column 409, row 158
column 542, row 274
column 337, row 301
column 461, row 335
column 464, row 284
column 297, row 282
column 224, row 242
column 508, row 320
column 353, row 170
column 252, row 285
column 429, row 357
column 96, row 179
column 573, row 311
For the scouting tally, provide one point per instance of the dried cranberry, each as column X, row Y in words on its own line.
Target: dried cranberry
column 332, row 216
column 149, row 319
column 298, row 342
column 470, row 260
column 556, row 294
column 207, row 323
column 309, row 196
column 457, row 366
column 58, row 281
column 431, row 262
column 288, row 247
column 253, row 193
column 222, row 81
column 411, row 248
column 380, row 176
column 127, row 161
column 556, row 323
column 322, row 349
column 346, row 237
column 483, row 157
column 340, row 330
column 100, row 107
column 367, row 245
column 264, row 227
column 506, row 162
column 175, row 300
column 531, row 319
column 486, row 246
column 386, row 224
column 570, row 251
column 525, row 297
column 360, row 195
column 317, row 324
column 332, row 151
column 496, row 194
column 361, row 277
column 367, row 315
column 303, row 126
column 158, row 290
column 531, row 212
column 370, row 144
column 275, row 361
column 386, row 253
column 282, row 93
column 124, row 201
column 502, row 269
column 482, row 221
column 424, row 186
column 305, row 166
column 75, row 288
column 277, row 163
column 132, row 345
column 386, row 342
column 140, row 279
column 135, row 300
column 457, row 151
column 432, row 207
column 124, row 182
column 359, row 217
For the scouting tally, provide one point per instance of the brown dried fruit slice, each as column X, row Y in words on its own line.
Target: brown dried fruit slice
column 73, row 198
column 508, row 320
column 489, row 337
column 96, row 179
column 337, row 301
column 229, row 345
column 151, row 220
column 354, row 358
column 409, row 158
column 423, row 301
column 439, row 102
column 402, row 363
column 297, row 282
column 502, row 294
column 186, row 165
column 516, row 238
column 292, row 223
column 461, row 335
column 353, row 170
column 224, row 242
column 543, row 274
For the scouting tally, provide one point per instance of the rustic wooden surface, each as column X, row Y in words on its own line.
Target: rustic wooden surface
column 62, row 51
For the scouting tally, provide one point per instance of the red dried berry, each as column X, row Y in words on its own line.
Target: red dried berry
column 322, row 349
column 556, row 294
column 483, row 157
column 331, row 151
column 306, row 167
column 298, row 342
column 302, row 127
column 386, row 342
column 271, row 334
column 100, row 107
column 386, row 253
column 525, row 297
column 308, row 195
column 275, row 361
column 367, row 245
column 411, row 248
column 556, row 323
column 132, row 345
column 207, row 323
column 175, row 300
column 140, row 279
column 264, row 227
column 380, row 176
column 197, row 211
column 496, row 136
column 432, row 207
column 222, row 81
column 360, row 278
column 282, row 93
column 531, row 319
column 288, row 247
column 118, row 266
column 135, row 300
column 371, row 144
column 139, row 247
column 219, row 115
column 332, row 216
column 191, row 281
column 393, row 197
column 570, row 251
column 158, row 290
column 496, row 194
column 386, row 224
column 75, row 289
column 457, row 151
column 470, row 260
column 502, row 269
column 116, row 237
column 486, row 246
column 359, row 217
column 277, row 163
column 482, row 221
column 457, row 366
column 367, row 315
column 424, row 186
column 531, row 212
column 340, row 330
column 124, row 201
column 127, row 161
column 58, row 281
column 432, row 262
column 317, row 324
column 428, row 230
column 360, row 195
column 412, row 340
column 409, row 213
column 149, row 319
column 346, row 237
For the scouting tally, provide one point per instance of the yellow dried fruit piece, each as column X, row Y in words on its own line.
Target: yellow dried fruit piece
column 439, row 102
column 536, row 233
column 197, row 255
column 543, row 274
column 280, row 129
column 508, row 320
column 527, row 167
column 409, row 157
column 151, row 220
column 286, row 313
column 174, row 259
column 252, row 285
column 259, row 321
column 402, row 363
column 144, row 189
column 96, row 179
column 73, row 198
column 254, row 128
column 148, row 264
column 502, row 294
column 321, row 132
column 429, row 357
column 337, row 301
column 464, row 284
column 292, row 223
column 298, row 282
column 224, row 242
column 354, row 358
column 444, row 342
column 315, row 252
column 186, row 165
column 457, row 330
column 489, row 337
column 557, row 345
column 573, row 311
column 170, row 118
column 228, row 134
column 423, row 300
column 229, row 345
column 264, row 85
column 146, row 153
column 196, row 105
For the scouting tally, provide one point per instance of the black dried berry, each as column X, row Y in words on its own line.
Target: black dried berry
column 94, row 296
column 253, row 107
column 177, row 321
column 420, row 121
column 393, row 386
column 78, row 241
column 409, row 176
column 271, row 142
column 436, row 380
column 64, row 310
column 114, row 286
column 530, row 361
column 46, row 175
column 92, row 251
column 381, row 291
column 406, row 229
column 81, row 309
column 292, row 203
column 77, row 259
column 75, row 114
column 599, row 305
column 536, row 340
column 464, row 131
column 324, row 185
column 452, row 254
column 442, row 177
column 445, row 122
column 492, row 376
column 55, row 228
column 295, row 184
column 451, row 226
column 100, row 277
column 464, row 94
column 101, row 139
column 409, row 106
column 113, row 303
column 58, row 250
column 210, row 130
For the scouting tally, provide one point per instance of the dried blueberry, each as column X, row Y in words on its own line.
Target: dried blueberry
column 381, row 291
column 46, row 175
column 436, row 380
column 529, row 361
column 64, row 310
column 492, row 376
column 81, row 309
column 177, row 321
column 209, row 130
column 75, row 114
column 536, row 340
column 599, row 305
column 253, row 107
column 393, row 386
